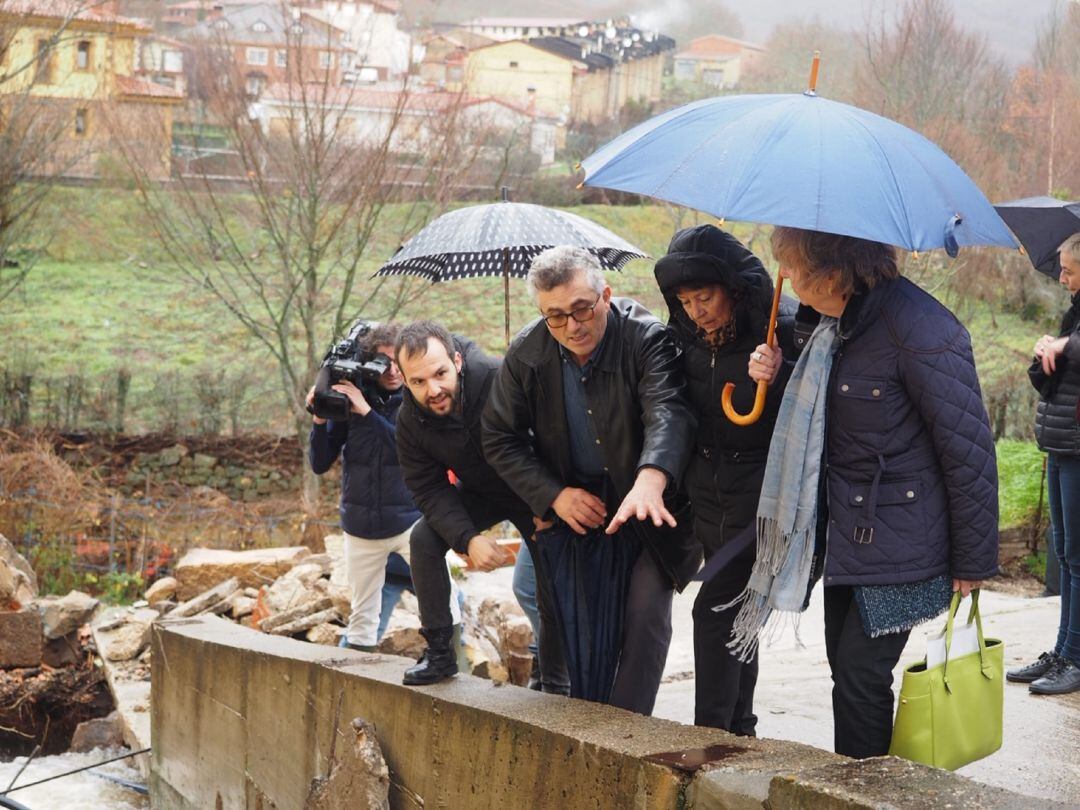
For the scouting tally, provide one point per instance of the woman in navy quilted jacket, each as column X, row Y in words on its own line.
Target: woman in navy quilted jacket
column 881, row 474
column 1055, row 372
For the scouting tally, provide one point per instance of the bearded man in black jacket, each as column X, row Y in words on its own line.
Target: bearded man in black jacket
column 448, row 380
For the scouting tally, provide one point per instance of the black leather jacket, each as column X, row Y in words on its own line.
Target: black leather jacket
column 639, row 411
column 428, row 446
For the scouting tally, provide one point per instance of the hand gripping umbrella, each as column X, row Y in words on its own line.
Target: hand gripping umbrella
column 502, row 239
column 806, row 162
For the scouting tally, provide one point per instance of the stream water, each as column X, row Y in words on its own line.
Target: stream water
column 80, row 791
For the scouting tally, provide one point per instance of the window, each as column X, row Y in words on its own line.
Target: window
column 80, row 122
column 257, row 56
column 82, row 54
column 513, row 64
column 326, row 59
column 43, row 70
column 296, row 28
column 281, row 58
column 173, row 61
column 346, row 61
column 255, row 84
column 260, row 27
column 222, row 25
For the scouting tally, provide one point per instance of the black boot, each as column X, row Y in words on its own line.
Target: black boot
column 534, row 676
column 439, row 660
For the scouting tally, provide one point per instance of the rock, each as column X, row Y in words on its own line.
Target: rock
column 18, row 585
column 325, row 633
column 202, row 568
column 203, row 461
column 294, row 588
column 516, row 635
column 206, row 599
column 163, row 589
column 520, row 668
column 21, row 639
column 340, row 595
column 358, row 778
column 101, row 732
column 300, row 611
column 402, row 636
column 483, row 658
column 63, row 651
column 61, row 615
column 171, row 456
column 306, row 623
column 240, row 605
column 130, row 638
column 323, row 560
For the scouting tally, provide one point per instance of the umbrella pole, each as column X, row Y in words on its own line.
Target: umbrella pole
column 762, row 386
column 506, row 293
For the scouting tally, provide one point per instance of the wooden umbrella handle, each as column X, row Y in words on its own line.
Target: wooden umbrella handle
column 762, row 386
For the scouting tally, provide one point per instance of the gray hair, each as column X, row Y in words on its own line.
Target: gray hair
column 1071, row 247
column 559, row 265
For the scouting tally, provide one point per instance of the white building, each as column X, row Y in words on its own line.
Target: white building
column 382, row 50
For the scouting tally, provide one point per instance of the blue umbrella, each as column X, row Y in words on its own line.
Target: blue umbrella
column 806, row 162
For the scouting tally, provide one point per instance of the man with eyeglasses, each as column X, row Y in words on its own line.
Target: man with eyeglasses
column 588, row 422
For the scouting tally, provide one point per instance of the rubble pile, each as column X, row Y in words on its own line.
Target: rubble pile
column 48, row 681
column 293, row 592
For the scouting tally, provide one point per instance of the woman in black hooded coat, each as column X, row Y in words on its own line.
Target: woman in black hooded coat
column 719, row 296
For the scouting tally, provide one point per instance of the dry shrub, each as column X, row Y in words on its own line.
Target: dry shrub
column 30, row 468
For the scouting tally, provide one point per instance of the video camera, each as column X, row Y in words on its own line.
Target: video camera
column 348, row 359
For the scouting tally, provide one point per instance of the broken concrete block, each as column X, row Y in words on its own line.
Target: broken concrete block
column 402, row 636
column 21, row 639
column 162, row 590
column 306, row 623
column 61, row 615
column 101, row 732
column 18, row 585
column 516, row 635
column 359, row 776
column 202, row 568
column 125, row 641
column 63, row 651
column 293, row 589
column 483, row 658
column 298, row 612
column 339, row 594
column 520, row 668
column 206, row 600
column 240, row 605
column 323, row 634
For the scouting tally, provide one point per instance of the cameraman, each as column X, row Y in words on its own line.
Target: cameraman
column 377, row 511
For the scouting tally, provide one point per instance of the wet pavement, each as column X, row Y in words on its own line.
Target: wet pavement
column 1040, row 754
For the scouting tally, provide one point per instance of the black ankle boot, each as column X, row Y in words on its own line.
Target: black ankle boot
column 439, row 660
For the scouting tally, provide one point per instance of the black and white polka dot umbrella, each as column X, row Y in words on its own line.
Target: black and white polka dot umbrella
column 502, row 239
column 475, row 241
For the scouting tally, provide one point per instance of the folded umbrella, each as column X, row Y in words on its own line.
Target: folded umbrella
column 1041, row 224
column 590, row 576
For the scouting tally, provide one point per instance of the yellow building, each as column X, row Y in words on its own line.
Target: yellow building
column 577, row 80
column 76, row 66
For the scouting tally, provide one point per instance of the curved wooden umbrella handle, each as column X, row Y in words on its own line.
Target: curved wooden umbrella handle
column 762, row 386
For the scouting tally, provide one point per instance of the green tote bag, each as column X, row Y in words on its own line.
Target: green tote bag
column 950, row 715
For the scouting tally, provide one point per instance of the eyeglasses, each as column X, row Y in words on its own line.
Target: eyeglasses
column 581, row 314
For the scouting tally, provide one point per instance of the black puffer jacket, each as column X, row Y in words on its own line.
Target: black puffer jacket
column 911, row 468
column 637, row 401
column 724, row 476
column 429, row 446
column 1057, row 417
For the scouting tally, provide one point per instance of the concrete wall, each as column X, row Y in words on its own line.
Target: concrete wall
column 245, row 720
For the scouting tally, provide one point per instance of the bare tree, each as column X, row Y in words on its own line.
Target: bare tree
column 32, row 126
column 280, row 223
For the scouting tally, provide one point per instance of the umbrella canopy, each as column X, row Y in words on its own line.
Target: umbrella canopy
column 590, row 575
column 803, row 161
column 1042, row 224
column 502, row 238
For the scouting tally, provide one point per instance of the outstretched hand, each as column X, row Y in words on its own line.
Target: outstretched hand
column 644, row 501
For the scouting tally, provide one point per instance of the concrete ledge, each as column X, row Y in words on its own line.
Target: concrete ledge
column 241, row 719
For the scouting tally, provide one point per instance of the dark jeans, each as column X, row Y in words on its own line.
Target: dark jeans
column 862, row 669
column 432, row 581
column 646, row 637
column 1063, row 481
column 723, row 685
